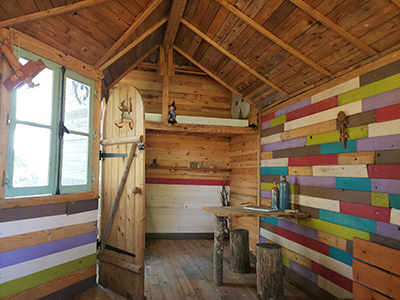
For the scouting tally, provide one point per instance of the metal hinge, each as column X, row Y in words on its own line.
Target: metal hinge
column 95, row 135
column 5, row 179
column 8, row 121
column 95, row 94
column 94, row 177
column 140, row 146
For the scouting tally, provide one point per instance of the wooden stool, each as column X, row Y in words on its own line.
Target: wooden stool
column 240, row 258
column 269, row 271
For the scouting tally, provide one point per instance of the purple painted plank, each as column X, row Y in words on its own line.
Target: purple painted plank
column 266, row 125
column 389, row 186
column 382, row 100
column 329, row 182
column 388, row 230
column 28, row 253
column 303, row 230
column 303, row 271
column 265, row 194
column 262, row 239
column 294, row 143
column 389, row 142
column 295, row 106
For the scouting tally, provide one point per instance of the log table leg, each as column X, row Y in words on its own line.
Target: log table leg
column 218, row 250
column 240, row 256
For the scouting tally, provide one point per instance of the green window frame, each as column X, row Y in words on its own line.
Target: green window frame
column 42, row 158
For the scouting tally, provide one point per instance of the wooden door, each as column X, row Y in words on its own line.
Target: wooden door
column 128, row 230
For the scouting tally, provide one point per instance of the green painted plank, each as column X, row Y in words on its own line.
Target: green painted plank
column 380, row 199
column 353, row 133
column 338, row 230
column 372, row 89
column 293, row 188
column 266, row 186
column 279, row 120
column 285, row 261
column 29, row 281
column 359, row 132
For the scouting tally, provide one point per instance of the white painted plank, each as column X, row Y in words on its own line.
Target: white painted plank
column 336, row 90
column 330, row 114
column 46, row 262
column 384, row 128
column 276, row 162
column 31, row 225
column 395, row 216
column 320, row 258
column 341, row 171
column 271, row 139
column 315, row 202
column 334, row 289
column 201, row 120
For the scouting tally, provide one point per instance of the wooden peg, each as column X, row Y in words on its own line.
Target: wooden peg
column 136, row 190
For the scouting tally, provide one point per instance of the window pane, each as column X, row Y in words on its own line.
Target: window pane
column 75, row 160
column 35, row 104
column 77, row 106
column 31, row 156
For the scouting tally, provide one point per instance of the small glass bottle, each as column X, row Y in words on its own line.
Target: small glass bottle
column 284, row 194
column 274, row 196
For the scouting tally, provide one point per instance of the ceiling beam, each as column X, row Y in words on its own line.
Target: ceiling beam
column 273, row 37
column 175, row 15
column 397, row 2
column 51, row 12
column 333, row 26
column 133, row 44
column 232, row 57
column 138, row 20
column 212, row 75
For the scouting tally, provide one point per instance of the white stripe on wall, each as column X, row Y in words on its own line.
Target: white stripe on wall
column 341, row 171
column 315, row 202
column 336, row 90
column 384, row 128
column 276, row 162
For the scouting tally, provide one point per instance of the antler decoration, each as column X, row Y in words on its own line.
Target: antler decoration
column 126, row 117
column 341, row 123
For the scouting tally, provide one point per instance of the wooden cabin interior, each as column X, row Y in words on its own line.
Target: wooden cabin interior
column 102, row 198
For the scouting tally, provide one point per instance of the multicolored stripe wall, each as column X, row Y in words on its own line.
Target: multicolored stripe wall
column 351, row 192
column 48, row 251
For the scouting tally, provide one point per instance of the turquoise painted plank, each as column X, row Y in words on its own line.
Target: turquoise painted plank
column 359, row 223
column 394, row 201
column 337, row 147
column 275, row 171
column 353, row 183
column 273, row 221
column 340, row 255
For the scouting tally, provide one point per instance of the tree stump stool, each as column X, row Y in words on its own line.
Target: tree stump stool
column 269, row 271
column 240, row 256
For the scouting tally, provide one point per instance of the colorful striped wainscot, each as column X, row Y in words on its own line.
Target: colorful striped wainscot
column 366, row 211
column 384, row 171
column 388, row 113
column 312, row 109
column 348, row 220
column 274, row 170
column 314, row 160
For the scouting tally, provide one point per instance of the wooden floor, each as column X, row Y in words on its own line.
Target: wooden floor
column 182, row 269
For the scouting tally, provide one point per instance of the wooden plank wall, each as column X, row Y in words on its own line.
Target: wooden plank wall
column 193, row 95
column 244, row 181
column 351, row 192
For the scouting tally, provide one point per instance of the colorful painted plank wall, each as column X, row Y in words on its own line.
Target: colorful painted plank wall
column 174, row 198
column 349, row 192
column 48, row 251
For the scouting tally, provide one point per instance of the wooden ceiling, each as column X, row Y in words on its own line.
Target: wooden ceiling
column 263, row 50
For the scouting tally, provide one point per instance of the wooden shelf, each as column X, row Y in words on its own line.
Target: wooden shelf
column 239, row 211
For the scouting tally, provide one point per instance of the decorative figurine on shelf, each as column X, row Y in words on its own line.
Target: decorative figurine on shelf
column 284, row 194
column 341, row 123
column 172, row 114
column 274, row 196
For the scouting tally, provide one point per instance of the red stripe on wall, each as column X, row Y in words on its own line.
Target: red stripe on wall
column 303, row 240
column 186, row 181
column 268, row 117
column 316, row 160
column 332, row 276
column 366, row 211
column 312, row 109
column 388, row 113
column 384, row 171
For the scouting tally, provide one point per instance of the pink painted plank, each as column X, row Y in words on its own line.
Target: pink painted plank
column 295, row 106
column 384, row 171
column 382, row 100
column 387, row 113
column 332, row 276
column 314, row 160
column 366, row 211
column 312, row 109
column 389, row 142
column 181, row 181
column 268, row 117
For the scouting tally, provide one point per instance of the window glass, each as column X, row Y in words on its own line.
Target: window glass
column 75, row 160
column 77, row 106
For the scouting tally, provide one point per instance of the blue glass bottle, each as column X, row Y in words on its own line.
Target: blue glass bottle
column 284, row 194
column 274, row 196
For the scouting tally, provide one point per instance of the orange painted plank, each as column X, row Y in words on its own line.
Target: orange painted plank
column 361, row 292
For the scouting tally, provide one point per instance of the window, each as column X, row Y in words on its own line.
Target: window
column 50, row 137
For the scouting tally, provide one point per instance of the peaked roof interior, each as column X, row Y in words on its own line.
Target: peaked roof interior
column 263, row 50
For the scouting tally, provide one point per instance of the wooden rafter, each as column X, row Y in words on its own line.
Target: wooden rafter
column 397, row 2
column 132, row 67
column 177, row 9
column 232, row 57
column 139, row 20
column 333, row 26
column 263, row 95
column 273, row 37
column 212, row 75
column 51, row 12
column 133, row 44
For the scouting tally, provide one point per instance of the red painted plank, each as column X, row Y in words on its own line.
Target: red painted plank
column 388, row 113
column 315, row 160
column 332, row 276
column 366, row 211
column 303, row 240
column 384, row 171
column 268, row 117
column 312, row 109
column 186, row 181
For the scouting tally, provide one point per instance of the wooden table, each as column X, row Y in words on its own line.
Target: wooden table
column 220, row 213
